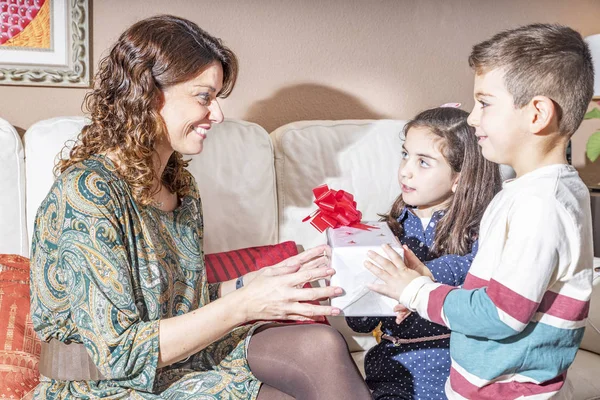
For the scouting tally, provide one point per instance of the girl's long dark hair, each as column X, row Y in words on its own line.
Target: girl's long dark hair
column 478, row 183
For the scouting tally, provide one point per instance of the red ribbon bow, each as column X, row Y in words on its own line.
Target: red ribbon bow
column 336, row 208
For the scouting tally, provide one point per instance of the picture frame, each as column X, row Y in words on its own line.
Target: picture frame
column 59, row 56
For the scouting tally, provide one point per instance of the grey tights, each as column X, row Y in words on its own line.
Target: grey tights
column 304, row 362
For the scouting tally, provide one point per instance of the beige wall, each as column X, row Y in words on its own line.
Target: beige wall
column 324, row 59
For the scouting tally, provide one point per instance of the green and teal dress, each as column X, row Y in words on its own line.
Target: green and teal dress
column 105, row 270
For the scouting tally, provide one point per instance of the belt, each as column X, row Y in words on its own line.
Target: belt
column 398, row 341
column 67, row 362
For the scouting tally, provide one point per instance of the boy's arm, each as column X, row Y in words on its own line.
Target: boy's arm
column 504, row 305
column 452, row 269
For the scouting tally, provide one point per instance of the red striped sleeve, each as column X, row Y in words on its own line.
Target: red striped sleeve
column 473, row 282
column 503, row 390
column 436, row 303
column 512, row 303
column 564, row 307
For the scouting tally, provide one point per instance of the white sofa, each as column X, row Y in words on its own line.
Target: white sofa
column 256, row 187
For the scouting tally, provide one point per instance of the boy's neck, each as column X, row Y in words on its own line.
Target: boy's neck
column 541, row 154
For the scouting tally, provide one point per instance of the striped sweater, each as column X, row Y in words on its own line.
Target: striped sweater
column 518, row 320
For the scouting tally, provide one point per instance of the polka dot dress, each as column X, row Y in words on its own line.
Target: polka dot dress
column 414, row 370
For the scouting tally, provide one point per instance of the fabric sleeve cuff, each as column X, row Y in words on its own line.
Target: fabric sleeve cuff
column 408, row 298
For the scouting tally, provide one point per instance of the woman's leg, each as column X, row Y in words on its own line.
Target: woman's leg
column 270, row 393
column 305, row 362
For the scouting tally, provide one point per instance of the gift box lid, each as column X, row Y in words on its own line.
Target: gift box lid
column 354, row 237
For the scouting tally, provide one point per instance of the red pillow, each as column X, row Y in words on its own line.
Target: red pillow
column 19, row 345
column 229, row 265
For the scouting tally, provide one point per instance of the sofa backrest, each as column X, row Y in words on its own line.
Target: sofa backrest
column 255, row 188
column 235, row 175
column 13, row 234
column 360, row 157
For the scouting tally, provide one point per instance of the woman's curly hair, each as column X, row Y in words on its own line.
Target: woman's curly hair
column 127, row 96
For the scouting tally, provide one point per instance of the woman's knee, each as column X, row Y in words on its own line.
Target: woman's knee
column 325, row 338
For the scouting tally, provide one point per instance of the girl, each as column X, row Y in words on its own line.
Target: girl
column 446, row 185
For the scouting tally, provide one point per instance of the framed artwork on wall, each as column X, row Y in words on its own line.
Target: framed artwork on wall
column 44, row 43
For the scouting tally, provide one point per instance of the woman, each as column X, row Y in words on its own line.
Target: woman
column 117, row 264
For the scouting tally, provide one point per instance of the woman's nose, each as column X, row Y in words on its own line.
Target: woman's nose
column 216, row 114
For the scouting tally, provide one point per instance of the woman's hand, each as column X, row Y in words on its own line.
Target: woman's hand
column 276, row 293
column 312, row 258
column 393, row 272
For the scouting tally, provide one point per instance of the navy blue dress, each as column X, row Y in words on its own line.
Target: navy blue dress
column 414, row 370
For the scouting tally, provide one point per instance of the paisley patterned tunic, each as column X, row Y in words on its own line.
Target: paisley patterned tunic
column 104, row 271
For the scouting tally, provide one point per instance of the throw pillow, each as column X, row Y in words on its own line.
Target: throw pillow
column 229, row 265
column 19, row 345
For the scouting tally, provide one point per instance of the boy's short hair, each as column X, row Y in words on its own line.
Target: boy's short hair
column 542, row 59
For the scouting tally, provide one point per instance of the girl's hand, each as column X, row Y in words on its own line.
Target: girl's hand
column 411, row 261
column 276, row 293
column 309, row 259
column 393, row 272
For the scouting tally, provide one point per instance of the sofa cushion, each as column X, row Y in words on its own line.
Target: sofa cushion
column 591, row 337
column 43, row 141
column 583, row 376
column 361, row 157
column 19, row 345
column 13, row 236
column 235, row 175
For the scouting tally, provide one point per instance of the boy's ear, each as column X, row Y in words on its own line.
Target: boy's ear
column 542, row 113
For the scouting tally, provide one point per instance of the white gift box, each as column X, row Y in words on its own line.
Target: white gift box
column 349, row 247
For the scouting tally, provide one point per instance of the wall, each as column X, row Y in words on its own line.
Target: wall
column 332, row 59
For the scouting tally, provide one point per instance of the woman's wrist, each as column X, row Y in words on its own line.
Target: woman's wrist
column 232, row 285
column 238, row 306
column 239, row 282
column 249, row 277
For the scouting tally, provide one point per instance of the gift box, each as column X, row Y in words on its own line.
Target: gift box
column 349, row 247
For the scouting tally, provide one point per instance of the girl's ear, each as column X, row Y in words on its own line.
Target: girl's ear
column 455, row 183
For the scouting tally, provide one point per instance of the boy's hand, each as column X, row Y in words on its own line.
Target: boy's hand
column 411, row 261
column 393, row 272
column 401, row 313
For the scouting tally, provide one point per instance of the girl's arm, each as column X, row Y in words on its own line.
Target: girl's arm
column 451, row 269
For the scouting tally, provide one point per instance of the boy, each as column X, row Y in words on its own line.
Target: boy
column 518, row 320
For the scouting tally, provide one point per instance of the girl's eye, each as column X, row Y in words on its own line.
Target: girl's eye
column 423, row 164
column 483, row 104
column 404, row 155
column 203, row 99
